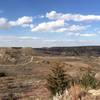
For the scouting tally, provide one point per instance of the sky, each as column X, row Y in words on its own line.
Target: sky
column 49, row 23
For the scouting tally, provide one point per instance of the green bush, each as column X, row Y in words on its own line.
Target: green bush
column 88, row 81
column 11, row 96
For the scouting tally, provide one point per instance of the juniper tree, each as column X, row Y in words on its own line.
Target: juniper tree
column 57, row 80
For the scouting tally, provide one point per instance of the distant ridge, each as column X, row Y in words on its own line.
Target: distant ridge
column 50, row 51
column 71, row 51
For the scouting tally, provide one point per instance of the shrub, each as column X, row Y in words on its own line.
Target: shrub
column 88, row 81
column 2, row 74
column 9, row 96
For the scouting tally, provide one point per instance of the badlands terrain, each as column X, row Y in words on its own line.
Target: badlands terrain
column 23, row 71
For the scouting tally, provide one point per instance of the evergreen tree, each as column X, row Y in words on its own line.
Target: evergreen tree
column 57, row 80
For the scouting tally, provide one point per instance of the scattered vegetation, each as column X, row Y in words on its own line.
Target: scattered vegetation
column 58, row 80
column 88, row 81
column 11, row 96
column 58, row 83
column 2, row 74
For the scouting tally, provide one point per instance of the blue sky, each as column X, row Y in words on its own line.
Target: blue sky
column 46, row 23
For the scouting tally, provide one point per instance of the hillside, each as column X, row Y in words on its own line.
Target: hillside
column 23, row 71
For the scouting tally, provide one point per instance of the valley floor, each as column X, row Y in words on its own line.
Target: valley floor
column 28, row 81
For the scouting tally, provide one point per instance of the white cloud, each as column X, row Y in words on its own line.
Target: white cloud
column 28, row 37
column 4, row 23
column 21, row 21
column 74, row 17
column 98, row 31
column 86, row 34
column 39, row 17
column 48, row 26
column 17, row 37
column 18, row 41
column 25, row 41
column 75, row 28
column 72, row 28
column 60, row 30
column 28, row 26
column 7, row 38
